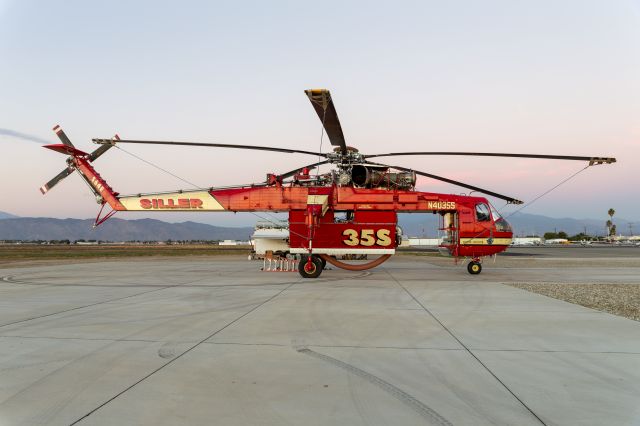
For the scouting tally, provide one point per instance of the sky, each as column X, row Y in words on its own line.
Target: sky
column 543, row 77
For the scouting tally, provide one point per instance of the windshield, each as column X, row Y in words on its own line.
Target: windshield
column 501, row 224
column 495, row 213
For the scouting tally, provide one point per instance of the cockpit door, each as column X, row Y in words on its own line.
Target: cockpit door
column 450, row 227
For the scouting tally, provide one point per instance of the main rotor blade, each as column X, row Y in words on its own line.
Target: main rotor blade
column 454, row 182
column 53, row 182
column 326, row 110
column 102, row 149
column 593, row 160
column 215, row 145
column 62, row 135
column 310, row 166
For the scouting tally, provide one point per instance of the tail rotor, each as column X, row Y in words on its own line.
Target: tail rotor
column 67, row 147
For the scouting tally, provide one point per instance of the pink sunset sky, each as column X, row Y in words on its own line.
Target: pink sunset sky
column 542, row 77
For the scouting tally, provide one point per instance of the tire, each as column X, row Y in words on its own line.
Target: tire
column 324, row 263
column 315, row 268
column 474, row 268
column 303, row 258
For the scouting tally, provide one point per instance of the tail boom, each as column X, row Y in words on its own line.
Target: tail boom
column 103, row 192
column 189, row 201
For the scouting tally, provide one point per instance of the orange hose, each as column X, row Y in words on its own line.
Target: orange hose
column 349, row 267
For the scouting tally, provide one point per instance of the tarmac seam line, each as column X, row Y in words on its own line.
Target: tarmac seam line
column 94, row 304
column 181, row 354
column 465, row 347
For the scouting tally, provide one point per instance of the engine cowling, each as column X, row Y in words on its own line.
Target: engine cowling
column 376, row 177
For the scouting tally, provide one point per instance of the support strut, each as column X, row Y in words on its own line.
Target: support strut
column 350, row 267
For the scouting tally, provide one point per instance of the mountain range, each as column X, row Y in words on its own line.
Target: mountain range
column 426, row 224
column 4, row 215
column 42, row 228
column 115, row 229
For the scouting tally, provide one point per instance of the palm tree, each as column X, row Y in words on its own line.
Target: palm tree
column 611, row 212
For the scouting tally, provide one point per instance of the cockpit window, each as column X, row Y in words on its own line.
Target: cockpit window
column 482, row 212
column 501, row 224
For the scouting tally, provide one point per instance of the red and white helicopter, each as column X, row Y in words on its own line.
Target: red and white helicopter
column 350, row 210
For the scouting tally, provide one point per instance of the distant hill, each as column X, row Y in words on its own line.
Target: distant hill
column 5, row 215
column 426, row 224
column 536, row 224
column 414, row 225
column 27, row 228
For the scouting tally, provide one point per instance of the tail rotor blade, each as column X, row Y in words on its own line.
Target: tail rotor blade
column 62, row 135
column 53, row 182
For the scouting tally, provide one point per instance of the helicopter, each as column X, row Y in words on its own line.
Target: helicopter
column 350, row 210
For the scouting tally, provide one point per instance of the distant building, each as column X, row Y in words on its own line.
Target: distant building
column 526, row 241
column 228, row 243
column 557, row 241
column 421, row 242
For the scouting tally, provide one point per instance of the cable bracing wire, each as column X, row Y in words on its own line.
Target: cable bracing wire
column 548, row 191
column 158, row 167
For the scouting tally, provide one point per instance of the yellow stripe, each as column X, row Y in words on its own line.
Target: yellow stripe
column 485, row 241
column 191, row 201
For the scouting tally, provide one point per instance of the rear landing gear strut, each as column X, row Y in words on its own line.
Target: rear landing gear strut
column 474, row 267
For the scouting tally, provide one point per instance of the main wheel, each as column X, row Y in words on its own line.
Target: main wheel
column 474, row 268
column 324, row 262
column 310, row 270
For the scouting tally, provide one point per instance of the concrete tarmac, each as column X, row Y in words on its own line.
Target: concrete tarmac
column 216, row 341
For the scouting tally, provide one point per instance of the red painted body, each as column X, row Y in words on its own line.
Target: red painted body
column 373, row 209
column 356, row 220
column 367, row 230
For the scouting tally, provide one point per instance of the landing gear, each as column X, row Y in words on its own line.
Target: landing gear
column 310, row 269
column 474, row 267
column 324, row 263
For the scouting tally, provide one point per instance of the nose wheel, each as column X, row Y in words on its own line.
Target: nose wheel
column 474, row 267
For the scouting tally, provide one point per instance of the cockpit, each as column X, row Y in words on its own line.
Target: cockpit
column 484, row 212
column 501, row 224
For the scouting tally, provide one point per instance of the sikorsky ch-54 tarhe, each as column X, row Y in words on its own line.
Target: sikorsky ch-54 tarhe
column 350, row 210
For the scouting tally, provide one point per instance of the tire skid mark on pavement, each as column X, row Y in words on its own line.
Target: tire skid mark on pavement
column 421, row 408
